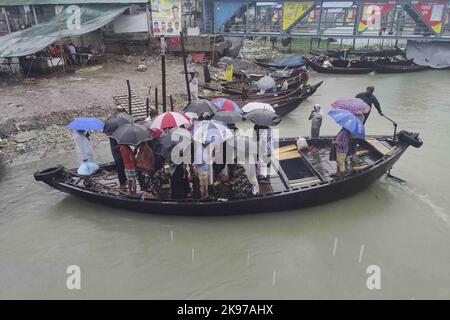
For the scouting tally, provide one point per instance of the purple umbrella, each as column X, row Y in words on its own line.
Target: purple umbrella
column 354, row 105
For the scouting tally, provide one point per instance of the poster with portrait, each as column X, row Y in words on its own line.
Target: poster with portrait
column 166, row 17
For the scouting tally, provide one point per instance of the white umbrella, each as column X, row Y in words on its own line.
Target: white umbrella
column 257, row 106
column 265, row 83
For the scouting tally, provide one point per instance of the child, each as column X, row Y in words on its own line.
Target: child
column 129, row 163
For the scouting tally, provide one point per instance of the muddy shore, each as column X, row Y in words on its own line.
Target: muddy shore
column 34, row 112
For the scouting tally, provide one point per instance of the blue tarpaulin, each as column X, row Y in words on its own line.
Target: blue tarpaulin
column 289, row 60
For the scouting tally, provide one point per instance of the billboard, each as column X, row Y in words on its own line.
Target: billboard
column 166, row 17
column 294, row 10
column 372, row 12
column 432, row 13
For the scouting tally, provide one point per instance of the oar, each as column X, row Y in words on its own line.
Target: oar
column 401, row 181
column 395, row 126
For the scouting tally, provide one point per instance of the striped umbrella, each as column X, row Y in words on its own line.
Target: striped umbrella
column 208, row 131
column 226, row 104
column 257, row 106
column 171, row 119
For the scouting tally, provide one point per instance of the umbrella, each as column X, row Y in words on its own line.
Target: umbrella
column 263, row 117
column 131, row 134
column 165, row 143
column 228, row 116
column 257, row 106
column 349, row 121
column 226, row 60
column 93, row 124
column 226, row 104
column 207, row 131
column 354, row 105
column 191, row 115
column 171, row 119
column 114, row 122
column 201, row 106
column 265, row 83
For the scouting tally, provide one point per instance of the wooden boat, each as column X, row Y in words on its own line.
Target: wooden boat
column 338, row 70
column 302, row 179
column 397, row 67
column 288, row 105
column 272, row 99
column 236, row 90
column 266, row 63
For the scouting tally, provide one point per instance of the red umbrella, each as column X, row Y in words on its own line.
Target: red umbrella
column 172, row 119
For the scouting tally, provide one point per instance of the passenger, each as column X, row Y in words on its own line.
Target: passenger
column 145, row 165
column 242, row 185
column 203, row 169
column 285, row 85
column 369, row 98
column 341, row 142
column 118, row 162
column 85, row 152
column 179, row 183
column 263, row 137
column 326, row 63
column 129, row 162
column 316, row 123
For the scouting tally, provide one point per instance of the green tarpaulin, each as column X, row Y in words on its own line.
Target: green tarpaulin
column 37, row 38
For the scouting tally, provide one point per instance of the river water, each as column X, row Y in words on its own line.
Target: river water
column 321, row 252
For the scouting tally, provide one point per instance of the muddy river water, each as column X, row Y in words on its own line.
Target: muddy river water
column 321, row 252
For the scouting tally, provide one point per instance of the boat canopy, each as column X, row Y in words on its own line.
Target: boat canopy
column 64, row 25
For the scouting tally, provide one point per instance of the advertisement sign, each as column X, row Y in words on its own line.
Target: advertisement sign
column 432, row 13
column 166, row 17
column 294, row 10
column 372, row 12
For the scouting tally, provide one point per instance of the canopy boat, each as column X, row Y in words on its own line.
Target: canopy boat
column 301, row 179
column 290, row 62
column 338, row 70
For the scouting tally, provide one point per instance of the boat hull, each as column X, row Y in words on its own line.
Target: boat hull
column 295, row 198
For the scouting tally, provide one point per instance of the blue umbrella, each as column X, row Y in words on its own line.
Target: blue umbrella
column 349, row 121
column 93, row 124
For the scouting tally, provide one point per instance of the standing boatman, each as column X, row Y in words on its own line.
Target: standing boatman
column 369, row 98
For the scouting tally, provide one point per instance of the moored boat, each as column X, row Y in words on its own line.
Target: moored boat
column 338, row 70
column 301, row 179
column 397, row 67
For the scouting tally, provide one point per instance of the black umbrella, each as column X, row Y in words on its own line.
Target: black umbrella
column 201, row 106
column 165, row 143
column 263, row 117
column 115, row 122
column 131, row 134
column 228, row 116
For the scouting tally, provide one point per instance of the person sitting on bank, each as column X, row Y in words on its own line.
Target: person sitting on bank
column 341, row 142
column 129, row 162
column 369, row 98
